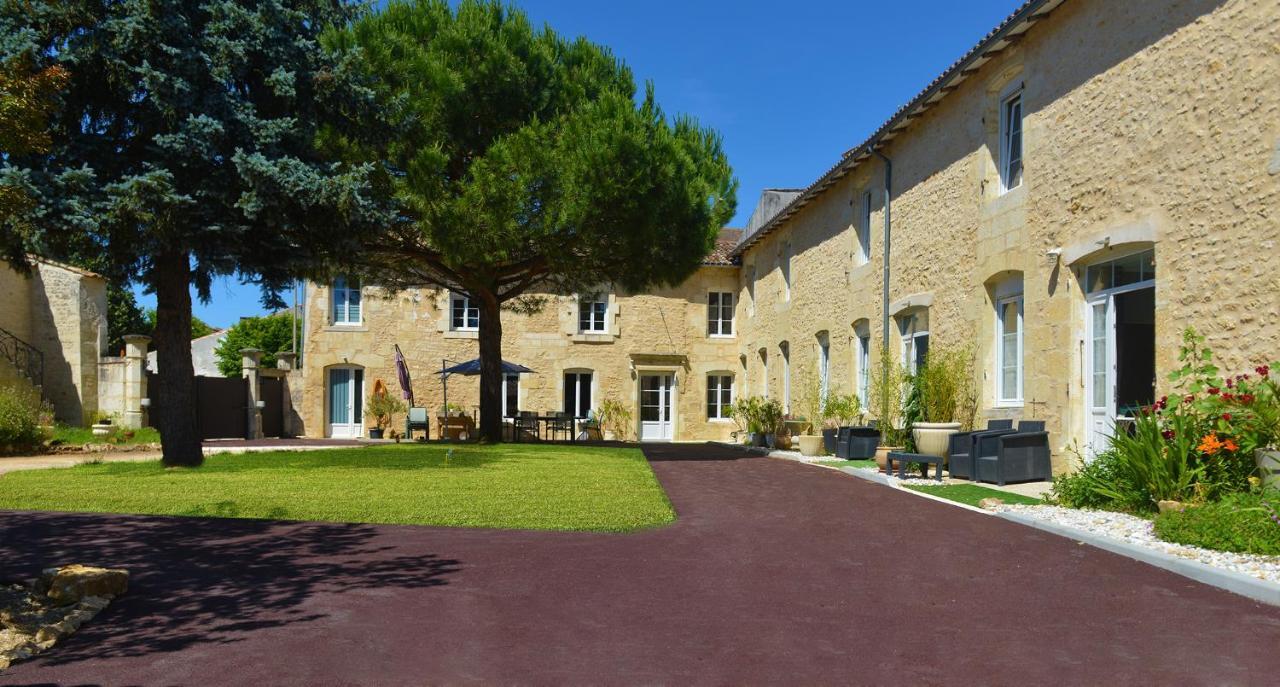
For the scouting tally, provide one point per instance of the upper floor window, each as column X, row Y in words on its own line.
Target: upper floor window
column 719, row 314
column 786, row 271
column 864, row 229
column 593, row 314
column 577, row 393
column 346, row 300
column 463, row 316
column 719, row 396
column 1011, row 142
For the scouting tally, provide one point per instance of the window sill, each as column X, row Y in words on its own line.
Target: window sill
column 720, row 420
column 592, row 337
column 722, row 336
column 1008, row 404
column 462, row 334
column 346, row 328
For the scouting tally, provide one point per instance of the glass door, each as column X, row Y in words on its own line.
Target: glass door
column 1101, row 391
column 655, row 407
column 346, row 393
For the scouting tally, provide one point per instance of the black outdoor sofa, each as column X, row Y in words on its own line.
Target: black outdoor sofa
column 1021, row 456
column 857, row 443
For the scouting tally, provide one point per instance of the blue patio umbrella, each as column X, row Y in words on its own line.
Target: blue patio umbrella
column 471, row 368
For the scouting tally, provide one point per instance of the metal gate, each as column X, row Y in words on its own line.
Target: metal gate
column 271, row 391
column 221, row 407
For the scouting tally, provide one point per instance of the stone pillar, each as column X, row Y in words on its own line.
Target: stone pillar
column 249, row 360
column 287, row 362
column 135, row 380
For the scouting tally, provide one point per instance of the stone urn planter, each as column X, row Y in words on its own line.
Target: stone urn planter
column 933, row 438
column 102, row 429
column 811, row 444
column 1268, row 467
column 882, row 455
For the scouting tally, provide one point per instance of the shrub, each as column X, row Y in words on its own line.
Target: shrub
column 1243, row 523
column 382, row 407
column 614, row 416
column 21, row 414
column 1084, row 487
column 946, row 388
column 888, row 388
column 759, row 415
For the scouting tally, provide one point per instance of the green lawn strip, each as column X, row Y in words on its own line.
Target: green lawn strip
column 509, row 486
column 79, row 436
column 848, row 463
column 971, row 494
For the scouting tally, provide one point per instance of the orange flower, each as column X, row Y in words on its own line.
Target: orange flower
column 1210, row 445
column 1229, row 445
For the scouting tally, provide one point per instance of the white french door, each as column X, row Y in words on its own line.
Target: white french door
column 346, row 395
column 1100, row 382
column 656, row 400
column 1121, row 359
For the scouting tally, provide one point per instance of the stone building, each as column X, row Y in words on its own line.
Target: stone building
column 1086, row 182
column 53, row 329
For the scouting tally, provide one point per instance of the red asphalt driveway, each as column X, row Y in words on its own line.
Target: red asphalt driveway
column 775, row 573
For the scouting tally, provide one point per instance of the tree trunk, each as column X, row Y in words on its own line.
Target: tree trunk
column 175, row 407
column 490, row 367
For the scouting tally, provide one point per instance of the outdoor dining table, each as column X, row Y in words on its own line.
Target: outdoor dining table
column 546, row 420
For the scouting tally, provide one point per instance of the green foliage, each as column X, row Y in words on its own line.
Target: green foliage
column 519, row 486
column 841, row 410
column 1095, row 484
column 270, row 334
column 615, row 416
column 1151, row 466
column 79, row 436
column 889, row 385
column 1244, row 523
column 199, row 327
column 21, row 418
column 945, row 386
column 758, row 414
column 382, row 407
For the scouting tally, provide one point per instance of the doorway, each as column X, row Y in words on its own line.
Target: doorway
column 1121, row 344
column 346, row 396
column 655, row 407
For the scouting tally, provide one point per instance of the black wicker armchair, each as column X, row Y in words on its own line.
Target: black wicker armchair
column 1021, row 456
column 960, row 450
column 857, row 443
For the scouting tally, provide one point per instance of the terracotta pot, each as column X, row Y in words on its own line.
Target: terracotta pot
column 810, row 444
column 782, row 442
column 934, row 438
column 882, row 455
column 1268, row 467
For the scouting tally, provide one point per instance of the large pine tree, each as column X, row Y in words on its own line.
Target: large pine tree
column 184, row 147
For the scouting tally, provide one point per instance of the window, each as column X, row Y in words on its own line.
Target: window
column 346, row 301
column 785, row 348
column 864, row 230
column 577, row 393
column 510, row 395
column 824, row 367
column 463, row 316
column 719, row 314
column 1009, row 349
column 593, row 314
column 764, row 372
column 719, row 396
column 1125, row 271
column 786, row 271
column 751, row 292
column 1011, row 142
column 864, row 368
column 915, row 339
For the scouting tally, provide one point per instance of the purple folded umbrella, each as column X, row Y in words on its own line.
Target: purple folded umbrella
column 402, row 371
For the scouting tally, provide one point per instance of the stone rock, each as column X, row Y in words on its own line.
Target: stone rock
column 990, row 502
column 1171, row 506
column 71, row 583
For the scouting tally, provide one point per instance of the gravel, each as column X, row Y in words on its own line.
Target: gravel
column 1137, row 531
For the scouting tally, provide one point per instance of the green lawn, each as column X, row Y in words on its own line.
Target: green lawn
column 868, row 463
column 79, row 436
column 972, row 494
column 511, row 486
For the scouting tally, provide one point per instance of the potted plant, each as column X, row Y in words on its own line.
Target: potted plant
column 945, row 399
column 380, row 408
column 839, row 410
column 811, row 405
column 770, row 422
column 888, row 390
column 615, row 420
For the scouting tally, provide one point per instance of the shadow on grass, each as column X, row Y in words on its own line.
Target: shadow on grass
column 197, row 581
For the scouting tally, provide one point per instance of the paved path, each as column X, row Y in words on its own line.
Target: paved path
column 774, row 573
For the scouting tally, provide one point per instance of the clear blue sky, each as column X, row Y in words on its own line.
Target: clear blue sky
column 789, row 85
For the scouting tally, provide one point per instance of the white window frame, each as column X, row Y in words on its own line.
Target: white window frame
column 1001, row 397
column 763, row 355
column 786, row 271
column 785, row 349
column 467, row 307
column 342, row 291
column 864, row 229
column 717, row 323
column 579, row 376
column 910, row 339
column 715, row 384
column 1008, row 127
column 864, row 369
column 824, row 369
column 598, row 318
column 751, row 292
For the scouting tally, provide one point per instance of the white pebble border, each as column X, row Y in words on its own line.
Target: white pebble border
column 1139, row 532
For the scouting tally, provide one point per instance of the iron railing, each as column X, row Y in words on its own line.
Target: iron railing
column 28, row 361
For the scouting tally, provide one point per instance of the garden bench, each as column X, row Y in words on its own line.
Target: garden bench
column 902, row 458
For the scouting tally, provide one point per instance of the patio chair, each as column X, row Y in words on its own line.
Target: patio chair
column 857, row 443
column 561, row 424
column 417, row 419
column 1021, row 456
column 960, row 449
column 525, row 423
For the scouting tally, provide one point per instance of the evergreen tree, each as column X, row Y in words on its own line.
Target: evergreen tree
column 185, row 147
column 522, row 162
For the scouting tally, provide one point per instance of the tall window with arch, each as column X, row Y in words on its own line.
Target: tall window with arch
column 914, row 328
column 862, row 349
column 1008, row 345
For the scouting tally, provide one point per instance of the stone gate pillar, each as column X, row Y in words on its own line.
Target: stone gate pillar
column 135, row 380
column 287, row 362
column 249, row 360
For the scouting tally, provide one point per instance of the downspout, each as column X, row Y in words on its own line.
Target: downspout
column 884, row 303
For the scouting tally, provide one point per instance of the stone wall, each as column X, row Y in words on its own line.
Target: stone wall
column 1146, row 125
column 665, row 330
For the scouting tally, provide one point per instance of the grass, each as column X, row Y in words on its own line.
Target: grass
column 972, row 494
column 868, row 463
column 79, row 436
column 510, row 486
column 1242, row 523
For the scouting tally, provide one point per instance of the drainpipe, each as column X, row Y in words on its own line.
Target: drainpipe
column 884, row 307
